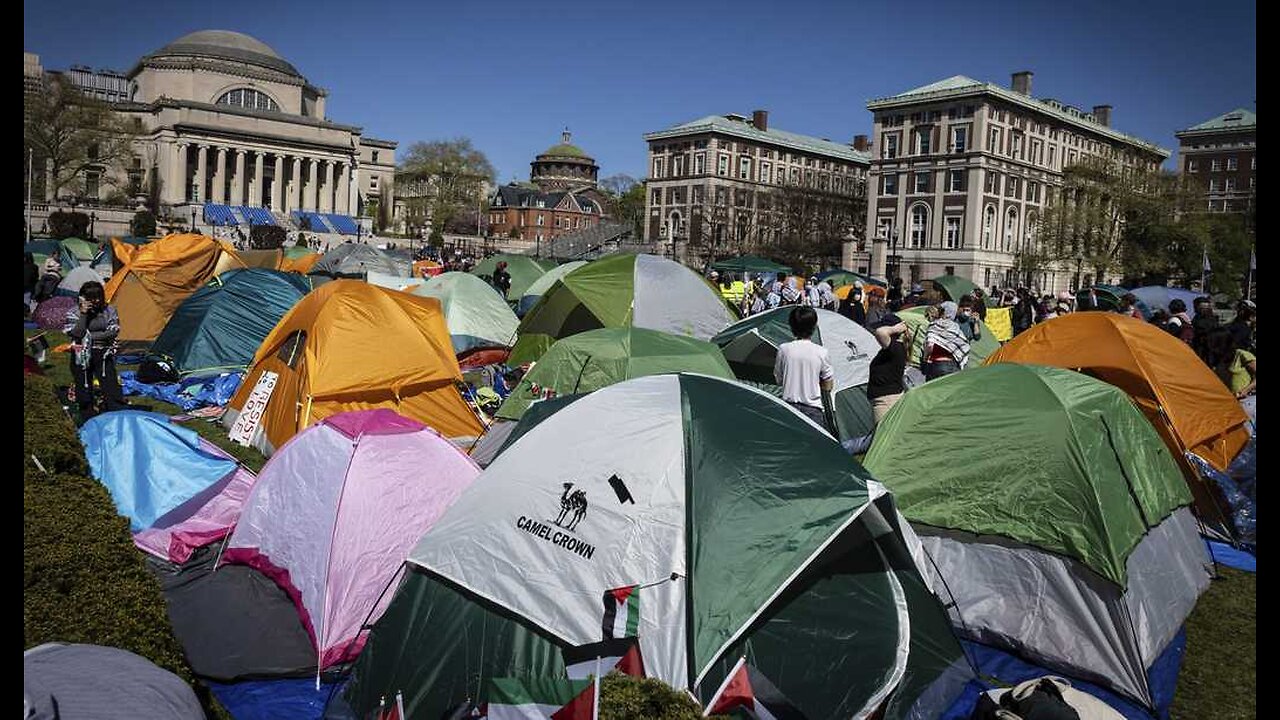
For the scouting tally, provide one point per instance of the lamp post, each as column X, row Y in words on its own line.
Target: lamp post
column 1079, row 262
column 193, row 218
column 93, row 222
column 893, row 255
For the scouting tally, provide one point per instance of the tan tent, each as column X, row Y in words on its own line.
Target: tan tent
column 151, row 280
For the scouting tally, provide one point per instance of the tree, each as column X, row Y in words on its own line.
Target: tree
column 143, row 224
column 815, row 222
column 64, row 225
column 71, row 134
column 624, row 201
column 440, row 179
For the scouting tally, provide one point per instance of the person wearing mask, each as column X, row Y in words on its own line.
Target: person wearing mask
column 1178, row 323
column 946, row 350
column 502, row 279
column 851, row 306
column 803, row 368
column 93, row 326
column 1242, row 325
column 968, row 320
column 885, row 386
column 1129, row 306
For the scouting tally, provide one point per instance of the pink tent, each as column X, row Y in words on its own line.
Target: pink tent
column 336, row 511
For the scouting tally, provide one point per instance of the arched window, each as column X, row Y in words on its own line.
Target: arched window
column 919, row 226
column 248, row 98
column 1029, row 232
column 988, row 227
column 1010, row 228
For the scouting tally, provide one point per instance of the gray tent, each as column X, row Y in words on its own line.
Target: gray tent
column 68, row 682
column 354, row 260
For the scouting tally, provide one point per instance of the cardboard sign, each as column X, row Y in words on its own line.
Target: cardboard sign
column 243, row 429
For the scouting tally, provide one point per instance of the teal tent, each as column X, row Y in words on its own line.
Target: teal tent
column 840, row 278
column 222, row 324
column 750, row 264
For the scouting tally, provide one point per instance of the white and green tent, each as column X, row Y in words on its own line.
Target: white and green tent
column 535, row 291
column 476, row 314
column 707, row 518
column 751, row 346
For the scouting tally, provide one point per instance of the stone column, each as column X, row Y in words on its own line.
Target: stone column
column 219, row 175
column 295, row 183
column 240, row 184
column 202, row 174
column 277, row 185
column 255, row 193
column 312, row 179
column 326, row 191
column 179, row 183
column 343, row 202
column 353, row 189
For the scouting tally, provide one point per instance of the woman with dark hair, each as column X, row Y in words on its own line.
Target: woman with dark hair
column 93, row 326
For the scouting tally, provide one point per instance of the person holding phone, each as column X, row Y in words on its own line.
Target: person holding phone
column 93, row 326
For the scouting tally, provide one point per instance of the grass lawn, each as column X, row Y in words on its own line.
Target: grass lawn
column 1219, row 674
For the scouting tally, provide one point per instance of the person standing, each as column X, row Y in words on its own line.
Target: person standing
column 884, row 384
column 502, row 279
column 851, row 306
column 1242, row 325
column 1179, row 322
column 946, row 350
column 967, row 320
column 980, row 304
column 93, row 326
column 803, row 368
column 875, row 309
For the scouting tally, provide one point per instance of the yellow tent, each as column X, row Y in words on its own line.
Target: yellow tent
column 349, row 345
column 151, row 280
column 1188, row 404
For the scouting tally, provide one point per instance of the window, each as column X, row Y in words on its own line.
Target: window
column 290, row 352
column 1010, row 228
column 1253, row 162
column 890, row 145
column 656, row 197
column 540, row 217
column 884, row 227
column 919, row 226
column 657, row 167
column 891, row 184
column 955, row 180
column 1053, row 154
column 993, row 183
column 1215, row 165
column 781, row 175
column 993, row 140
column 91, row 181
column 249, row 98
column 1213, row 185
column 1033, row 192
column 988, row 227
column 1250, row 182
column 721, row 196
column 764, row 172
column 677, row 166
column 696, row 194
column 922, row 182
column 959, row 139
column 1191, row 165
column 951, row 240
column 1037, row 152
column 373, row 182
column 1017, row 146
column 1231, row 184
column 1231, row 163
column 923, row 138
column 744, row 168
column 699, row 163
column 722, row 165
column 375, row 155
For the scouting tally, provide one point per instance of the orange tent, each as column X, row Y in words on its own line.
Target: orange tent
column 426, row 268
column 301, row 264
column 349, row 345
column 151, row 280
column 269, row 259
column 1186, row 402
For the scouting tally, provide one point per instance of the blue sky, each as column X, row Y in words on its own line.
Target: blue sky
column 511, row 75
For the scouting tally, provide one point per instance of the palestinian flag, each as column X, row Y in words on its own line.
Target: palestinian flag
column 539, row 699
column 745, row 690
column 620, row 654
column 621, row 612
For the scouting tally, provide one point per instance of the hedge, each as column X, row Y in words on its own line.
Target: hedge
column 83, row 579
column 623, row 697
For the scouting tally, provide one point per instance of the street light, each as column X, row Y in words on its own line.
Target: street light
column 93, row 221
column 193, row 218
column 893, row 256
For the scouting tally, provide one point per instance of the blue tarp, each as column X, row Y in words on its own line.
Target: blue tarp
column 149, row 465
column 1158, row 297
column 1224, row 554
column 1009, row 670
column 190, row 393
column 295, row 698
column 1239, row 487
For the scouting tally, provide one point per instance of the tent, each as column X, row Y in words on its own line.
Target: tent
column 82, row 250
column 697, row 514
column 267, row 259
column 393, row 282
column 523, row 269
column 840, row 278
column 335, row 511
column 751, row 347
column 540, row 286
column 51, row 314
column 151, row 280
column 475, row 313
column 954, row 287
column 222, row 324
column 1158, row 297
column 178, row 490
column 979, row 350
column 1108, row 297
column 750, row 264
column 299, row 259
column 41, row 250
column 1186, row 402
column 105, row 683
column 349, row 345
column 75, row 279
column 618, row 291
column 1067, row 541
column 502, row 433
column 598, row 358
column 351, row 260
column 426, row 268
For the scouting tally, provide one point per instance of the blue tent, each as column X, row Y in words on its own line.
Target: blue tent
column 1157, row 297
column 222, row 324
column 148, row 464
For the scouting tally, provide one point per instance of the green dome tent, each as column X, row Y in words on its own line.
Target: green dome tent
column 1054, row 513
column 474, row 312
column 540, row 286
column 727, row 524
column 82, row 250
column 751, row 346
column 619, row 291
column 841, row 278
column 222, row 324
column 954, row 287
column 979, row 349
column 750, row 264
column 523, row 269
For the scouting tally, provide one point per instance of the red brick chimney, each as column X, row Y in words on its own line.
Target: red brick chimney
column 760, row 120
column 1022, row 82
column 1102, row 114
column 860, row 143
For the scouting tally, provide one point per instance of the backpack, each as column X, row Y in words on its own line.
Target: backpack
column 157, row 370
column 1043, row 698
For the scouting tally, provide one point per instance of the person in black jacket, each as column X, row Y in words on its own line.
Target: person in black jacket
column 851, row 306
column 502, row 279
column 93, row 326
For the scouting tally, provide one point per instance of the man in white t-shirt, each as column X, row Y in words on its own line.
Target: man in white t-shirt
column 803, row 368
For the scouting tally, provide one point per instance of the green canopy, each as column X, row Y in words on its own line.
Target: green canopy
column 841, row 278
column 474, row 312
column 523, row 269
column 540, row 286
column 916, row 324
column 81, row 250
column 598, row 358
column 750, row 263
column 1044, row 456
column 954, row 287
column 42, row 250
column 620, row 291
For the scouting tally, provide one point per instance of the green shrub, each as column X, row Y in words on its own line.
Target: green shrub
column 63, row 225
column 623, row 697
column 143, row 224
column 267, row 237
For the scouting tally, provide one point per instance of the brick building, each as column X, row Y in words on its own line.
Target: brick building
column 1219, row 155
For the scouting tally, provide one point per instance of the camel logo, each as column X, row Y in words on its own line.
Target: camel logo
column 573, row 507
column 854, row 352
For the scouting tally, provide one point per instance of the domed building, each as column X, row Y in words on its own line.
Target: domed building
column 564, row 167
column 235, row 132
